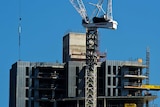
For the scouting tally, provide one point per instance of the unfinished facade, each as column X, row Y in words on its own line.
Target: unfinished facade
column 42, row 84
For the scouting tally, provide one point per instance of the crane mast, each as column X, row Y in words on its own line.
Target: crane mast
column 91, row 26
column 91, row 67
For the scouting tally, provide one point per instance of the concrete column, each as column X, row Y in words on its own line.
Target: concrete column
column 104, row 103
column 55, row 104
column 77, row 103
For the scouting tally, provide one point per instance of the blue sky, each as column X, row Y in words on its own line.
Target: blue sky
column 44, row 22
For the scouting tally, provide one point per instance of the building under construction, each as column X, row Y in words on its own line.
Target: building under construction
column 42, row 84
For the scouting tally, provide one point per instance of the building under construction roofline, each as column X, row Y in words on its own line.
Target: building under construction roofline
column 42, row 84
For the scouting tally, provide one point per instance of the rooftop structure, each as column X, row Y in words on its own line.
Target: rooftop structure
column 74, row 47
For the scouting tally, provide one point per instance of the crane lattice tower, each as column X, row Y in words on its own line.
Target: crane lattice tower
column 91, row 26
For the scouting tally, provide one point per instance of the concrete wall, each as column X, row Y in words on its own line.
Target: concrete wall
column 75, row 82
column 113, row 78
column 74, row 47
column 18, row 84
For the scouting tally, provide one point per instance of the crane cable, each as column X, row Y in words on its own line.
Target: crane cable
column 19, row 30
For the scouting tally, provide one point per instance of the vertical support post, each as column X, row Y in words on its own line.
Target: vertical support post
column 147, row 69
column 91, row 67
column 148, row 64
column 77, row 103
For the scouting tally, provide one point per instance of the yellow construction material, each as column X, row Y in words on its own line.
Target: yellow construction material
column 151, row 87
column 130, row 105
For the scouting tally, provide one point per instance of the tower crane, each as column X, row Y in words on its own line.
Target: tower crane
column 92, row 24
column 105, row 21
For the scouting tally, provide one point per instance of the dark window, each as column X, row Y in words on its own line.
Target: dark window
column 27, row 82
column 100, row 82
column 119, row 81
column 77, row 70
column 32, row 104
column 26, row 92
column 114, row 70
column 109, row 69
column 32, row 82
column 114, row 81
column 27, row 71
column 119, row 92
column 33, row 71
column 119, row 70
column 32, row 94
column 109, row 80
column 26, row 103
column 114, row 91
column 109, row 92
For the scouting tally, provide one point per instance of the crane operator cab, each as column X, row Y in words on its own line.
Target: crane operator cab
column 101, row 22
